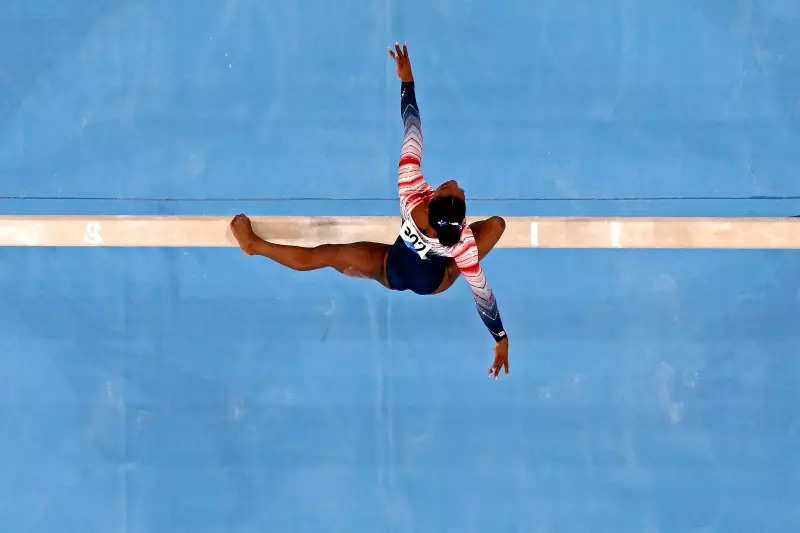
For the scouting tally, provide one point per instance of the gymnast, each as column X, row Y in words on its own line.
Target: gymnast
column 434, row 247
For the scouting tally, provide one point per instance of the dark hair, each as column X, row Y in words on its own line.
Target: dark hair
column 445, row 215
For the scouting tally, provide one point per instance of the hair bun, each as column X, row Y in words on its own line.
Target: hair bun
column 447, row 213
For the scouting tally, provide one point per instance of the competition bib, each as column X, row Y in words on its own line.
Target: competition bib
column 413, row 239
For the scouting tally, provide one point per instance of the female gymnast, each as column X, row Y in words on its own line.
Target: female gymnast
column 434, row 246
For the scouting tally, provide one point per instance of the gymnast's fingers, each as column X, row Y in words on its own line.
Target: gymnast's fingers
column 495, row 369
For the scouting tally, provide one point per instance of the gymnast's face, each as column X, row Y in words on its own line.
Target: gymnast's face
column 450, row 188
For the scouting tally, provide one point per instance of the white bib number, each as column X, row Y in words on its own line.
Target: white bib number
column 413, row 239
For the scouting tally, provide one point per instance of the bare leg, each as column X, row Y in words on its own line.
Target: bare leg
column 487, row 233
column 359, row 259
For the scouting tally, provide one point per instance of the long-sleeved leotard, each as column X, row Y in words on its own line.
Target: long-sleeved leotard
column 414, row 190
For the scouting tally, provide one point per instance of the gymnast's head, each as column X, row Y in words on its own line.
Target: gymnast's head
column 447, row 211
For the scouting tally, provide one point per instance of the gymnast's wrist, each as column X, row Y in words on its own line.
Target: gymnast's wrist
column 500, row 337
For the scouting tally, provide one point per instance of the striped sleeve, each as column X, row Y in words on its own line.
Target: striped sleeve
column 465, row 254
column 411, row 186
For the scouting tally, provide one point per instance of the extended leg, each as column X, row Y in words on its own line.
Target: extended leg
column 359, row 259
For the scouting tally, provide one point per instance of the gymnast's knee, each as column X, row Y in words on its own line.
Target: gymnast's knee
column 314, row 258
column 326, row 255
column 500, row 222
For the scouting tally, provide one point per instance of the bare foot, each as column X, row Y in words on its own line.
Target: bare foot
column 243, row 232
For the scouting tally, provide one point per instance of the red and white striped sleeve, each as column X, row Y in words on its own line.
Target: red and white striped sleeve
column 411, row 185
column 465, row 254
